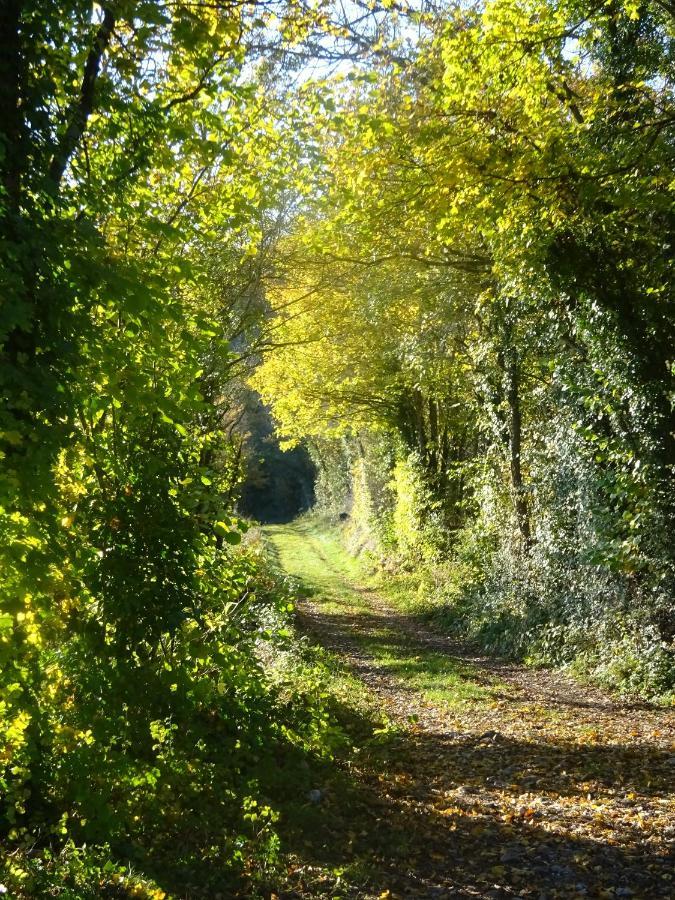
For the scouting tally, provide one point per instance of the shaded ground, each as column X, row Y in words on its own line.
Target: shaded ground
column 495, row 780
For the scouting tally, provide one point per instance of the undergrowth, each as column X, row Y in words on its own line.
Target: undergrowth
column 198, row 784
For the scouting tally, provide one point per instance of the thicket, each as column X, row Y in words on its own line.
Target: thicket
column 479, row 327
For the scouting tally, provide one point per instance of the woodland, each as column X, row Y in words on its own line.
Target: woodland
column 337, row 512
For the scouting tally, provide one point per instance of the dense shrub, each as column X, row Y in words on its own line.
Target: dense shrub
column 154, row 769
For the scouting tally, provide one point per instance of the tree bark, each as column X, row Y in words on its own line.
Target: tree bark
column 515, row 447
column 11, row 118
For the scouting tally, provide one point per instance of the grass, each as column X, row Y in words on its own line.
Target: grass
column 341, row 586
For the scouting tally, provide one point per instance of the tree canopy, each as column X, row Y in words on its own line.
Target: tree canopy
column 437, row 240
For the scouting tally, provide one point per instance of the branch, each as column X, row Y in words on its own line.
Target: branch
column 181, row 206
column 566, row 95
column 194, row 92
column 470, row 263
column 80, row 109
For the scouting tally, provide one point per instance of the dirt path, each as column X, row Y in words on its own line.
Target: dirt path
column 500, row 781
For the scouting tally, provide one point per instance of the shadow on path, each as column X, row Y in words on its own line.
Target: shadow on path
column 499, row 781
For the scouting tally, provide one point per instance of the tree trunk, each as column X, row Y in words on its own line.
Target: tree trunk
column 515, row 446
column 12, row 130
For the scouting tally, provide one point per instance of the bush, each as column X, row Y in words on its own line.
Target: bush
column 141, row 773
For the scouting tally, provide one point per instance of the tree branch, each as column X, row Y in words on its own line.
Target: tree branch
column 80, row 109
